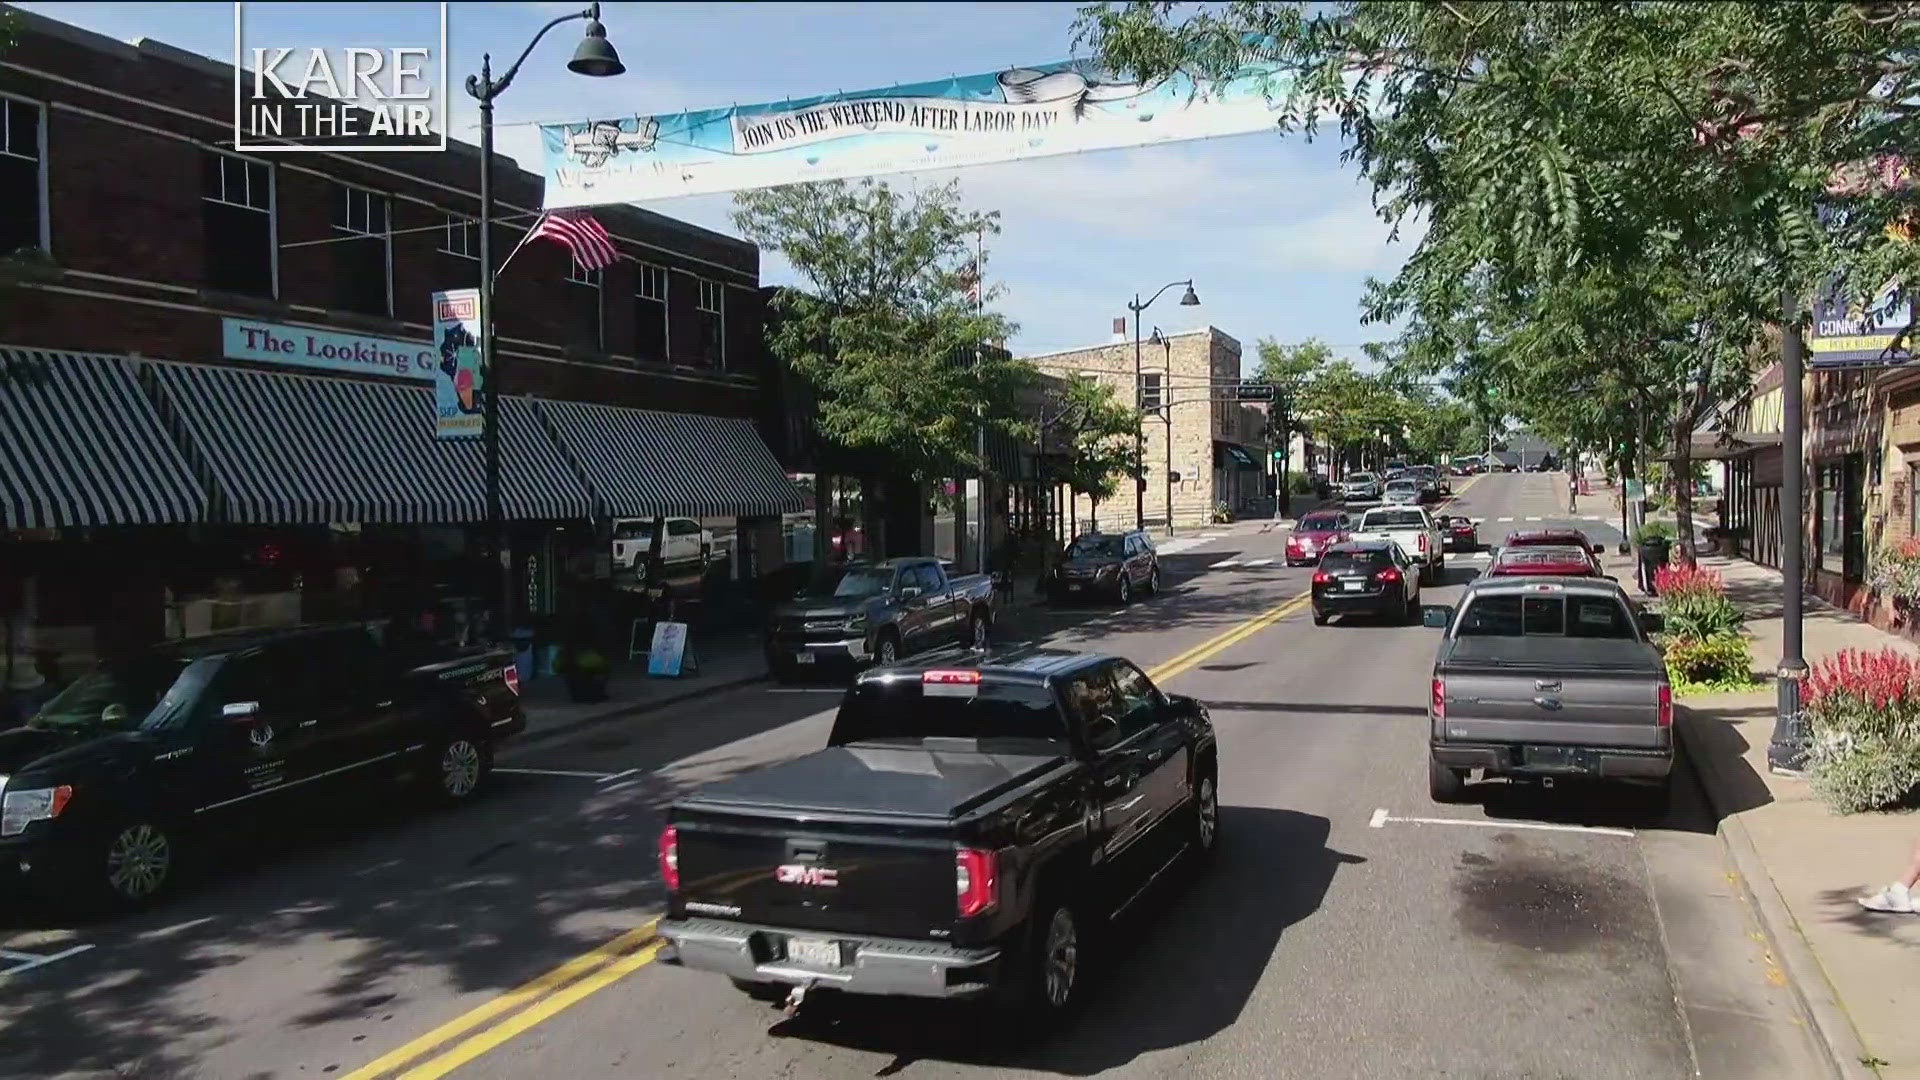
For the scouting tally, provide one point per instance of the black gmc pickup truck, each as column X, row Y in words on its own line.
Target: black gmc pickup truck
column 960, row 836
column 101, row 789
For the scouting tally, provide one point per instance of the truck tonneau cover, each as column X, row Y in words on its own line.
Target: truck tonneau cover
column 1546, row 651
column 936, row 780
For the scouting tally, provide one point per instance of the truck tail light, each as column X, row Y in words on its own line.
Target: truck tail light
column 976, row 881
column 511, row 676
column 1423, row 542
column 1666, row 706
column 1439, row 699
column 670, row 857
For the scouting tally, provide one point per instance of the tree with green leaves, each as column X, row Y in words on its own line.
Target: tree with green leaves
column 886, row 330
column 1289, row 369
column 1092, row 433
column 1560, row 152
column 1352, row 409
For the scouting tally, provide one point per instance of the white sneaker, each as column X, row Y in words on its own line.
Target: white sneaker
column 1895, row 897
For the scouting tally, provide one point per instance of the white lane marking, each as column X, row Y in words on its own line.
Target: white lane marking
column 619, row 776
column 1503, row 519
column 1533, row 519
column 1224, row 564
column 29, row 961
column 1259, row 562
column 553, row 772
column 1593, row 519
column 1381, row 818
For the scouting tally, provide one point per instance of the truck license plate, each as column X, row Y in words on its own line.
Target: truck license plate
column 1073, row 588
column 1557, row 758
column 813, row 952
column 803, row 657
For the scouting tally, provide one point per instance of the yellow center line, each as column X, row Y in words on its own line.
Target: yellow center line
column 580, row 978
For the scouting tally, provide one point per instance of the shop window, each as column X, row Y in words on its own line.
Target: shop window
column 585, row 327
column 23, row 176
column 461, row 237
column 1841, row 540
column 236, row 201
column 650, row 314
column 711, row 309
column 363, row 251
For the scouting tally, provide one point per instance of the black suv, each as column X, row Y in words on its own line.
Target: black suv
column 1366, row 577
column 1116, row 565
column 101, row 789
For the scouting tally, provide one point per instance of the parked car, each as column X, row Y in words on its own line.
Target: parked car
column 1114, row 565
column 1543, row 562
column 861, row 613
column 1435, row 479
column 1458, row 533
column 1409, row 526
column 685, row 543
column 136, row 760
column 965, row 834
column 1360, row 487
column 1315, row 534
column 1366, row 577
column 1404, row 491
column 1547, row 678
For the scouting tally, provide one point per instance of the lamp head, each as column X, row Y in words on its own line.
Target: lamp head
column 595, row 55
column 1191, row 299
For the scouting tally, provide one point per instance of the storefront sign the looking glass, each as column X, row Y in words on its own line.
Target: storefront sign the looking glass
column 302, row 347
column 459, row 383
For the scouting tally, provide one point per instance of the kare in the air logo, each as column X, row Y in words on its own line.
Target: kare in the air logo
column 290, row 94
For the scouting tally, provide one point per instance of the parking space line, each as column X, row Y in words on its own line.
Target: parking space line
column 1381, row 818
column 25, row 961
column 600, row 776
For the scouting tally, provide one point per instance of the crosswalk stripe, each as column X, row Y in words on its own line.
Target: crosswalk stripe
column 1503, row 519
column 1224, row 564
column 1258, row 562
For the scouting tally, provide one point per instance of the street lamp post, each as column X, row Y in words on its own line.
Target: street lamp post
column 1166, row 415
column 1787, row 749
column 594, row 57
column 1139, row 429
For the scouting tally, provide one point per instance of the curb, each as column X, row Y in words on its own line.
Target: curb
column 1832, row 1028
column 623, row 712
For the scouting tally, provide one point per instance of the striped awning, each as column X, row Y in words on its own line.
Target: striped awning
column 284, row 449
column 639, row 463
column 81, row 445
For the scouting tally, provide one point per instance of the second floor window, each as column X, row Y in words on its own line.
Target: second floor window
column 711, row 309
column 462, row 237
column 650, row 314
column 23, row 204
column 1152, row 396
column 363, row 264
column 236, row 202
column 585, row 329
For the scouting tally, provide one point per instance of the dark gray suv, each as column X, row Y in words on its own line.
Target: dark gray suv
column 1114, row 565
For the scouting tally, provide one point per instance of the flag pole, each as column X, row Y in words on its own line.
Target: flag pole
column 531, row 229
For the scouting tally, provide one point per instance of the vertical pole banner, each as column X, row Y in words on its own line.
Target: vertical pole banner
column 1057, row 108
column 459, row 384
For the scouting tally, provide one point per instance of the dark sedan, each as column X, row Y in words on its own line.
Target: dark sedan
column 1459, row 533
column 1115, row 565
column 1366, row 577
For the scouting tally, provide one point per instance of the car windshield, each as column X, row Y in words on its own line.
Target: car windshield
column 1360, row 478
column 1319, row 523
column 1403, row 485
column 1366, row 561
column 855, row 583
column 126, row 695
column 1392, row 519
column 1546, row 616
column 1095, row 547
column 899, row 709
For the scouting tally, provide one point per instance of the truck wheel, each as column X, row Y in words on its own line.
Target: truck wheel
column 888, row 649
column 1446, row 784
column 979, row 630
column 136, row 862
column 458, row 769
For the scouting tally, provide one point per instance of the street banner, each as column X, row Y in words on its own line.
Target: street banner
column 459, row 384
column 1059, row 108
column 1848, row 333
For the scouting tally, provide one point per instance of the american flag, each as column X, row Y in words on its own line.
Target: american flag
column 592, row 248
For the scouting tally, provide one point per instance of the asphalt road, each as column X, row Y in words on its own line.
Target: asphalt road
column 1348, row 928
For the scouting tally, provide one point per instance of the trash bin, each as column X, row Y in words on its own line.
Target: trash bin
column 1654, row 553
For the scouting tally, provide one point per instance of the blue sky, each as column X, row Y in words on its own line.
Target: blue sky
column 1277, row 234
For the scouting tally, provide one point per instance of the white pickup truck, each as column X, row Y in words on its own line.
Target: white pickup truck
column 1409, row 526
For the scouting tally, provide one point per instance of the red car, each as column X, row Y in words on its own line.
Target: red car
column 1314, row 535
column 1549, row 538
column 1539, row 560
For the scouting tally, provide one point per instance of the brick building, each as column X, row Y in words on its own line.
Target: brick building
column 1214, row 446
column 150, row 419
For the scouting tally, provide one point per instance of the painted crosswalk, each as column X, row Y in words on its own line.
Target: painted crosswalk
column 1259, row 562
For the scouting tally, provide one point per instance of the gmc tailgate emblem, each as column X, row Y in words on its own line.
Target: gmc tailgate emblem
column 807, row 874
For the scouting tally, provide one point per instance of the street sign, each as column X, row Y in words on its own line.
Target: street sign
column 1252, row 390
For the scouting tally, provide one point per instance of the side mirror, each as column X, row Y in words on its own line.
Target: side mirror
column 1599, row 549
column 1436, row 616
column 909, row 592
column 240, row 710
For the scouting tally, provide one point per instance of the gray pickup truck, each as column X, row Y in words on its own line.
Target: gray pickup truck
column 860, row 613
column 1548, row 678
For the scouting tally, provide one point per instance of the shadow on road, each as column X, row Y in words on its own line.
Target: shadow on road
column 1179, row 969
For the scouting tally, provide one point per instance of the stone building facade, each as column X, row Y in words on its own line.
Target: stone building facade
column 1202, row 447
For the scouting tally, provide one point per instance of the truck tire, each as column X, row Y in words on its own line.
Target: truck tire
column 1048, row 982
column 1444, row 783
column 458, row 768
column 134, row 862
column 979, row 631
column 887, row 649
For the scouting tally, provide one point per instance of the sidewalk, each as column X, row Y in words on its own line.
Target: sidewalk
column 1803, row 864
